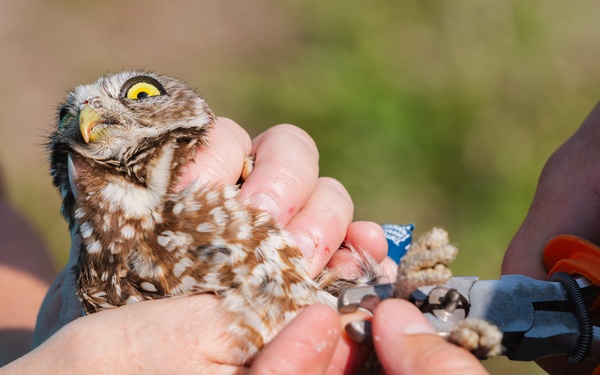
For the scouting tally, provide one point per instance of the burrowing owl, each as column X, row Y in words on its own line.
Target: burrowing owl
column 116, row 156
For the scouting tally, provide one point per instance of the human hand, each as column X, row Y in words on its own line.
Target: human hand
column 407, row 344
column 141, row 340
column 192, row 340
column 317, row 211
column 566, row 202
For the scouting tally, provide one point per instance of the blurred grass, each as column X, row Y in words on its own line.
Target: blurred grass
column 436, row 113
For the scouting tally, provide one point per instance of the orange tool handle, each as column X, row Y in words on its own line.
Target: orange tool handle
column 575, row 256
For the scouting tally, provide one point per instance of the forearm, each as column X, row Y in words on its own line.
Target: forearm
column 25, row 273
column 85, row 345
column 62, row 353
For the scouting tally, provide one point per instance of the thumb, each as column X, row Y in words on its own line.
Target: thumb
column 221, row 162
column 407, row 344
column 305, row 346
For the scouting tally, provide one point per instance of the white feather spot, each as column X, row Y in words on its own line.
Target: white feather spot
column 205, row 227
column 157, row 217
column 106, row 225
column 147, row 224
column 188, row 283
column 300, row 291
column 99, row 295
column 230, row 192
column 219, row 215
column 79, row 213
column 135, row 202
column 114, row 248
column 132, row 299
column 127, row 231
column 181, row 266
column 178, row 208
column 161, row 173
column 164, row 239
column 86, row 230
column 117, row 284
column 193, row 206
column 262, row 218
column 212, row 196
column 245, row 232
column 212, row 278
column 94, row 247
column 171, row 240
column 149, row 287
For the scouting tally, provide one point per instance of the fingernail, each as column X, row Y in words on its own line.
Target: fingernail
column 265, row 202
column 392, row 316
column 306, row 244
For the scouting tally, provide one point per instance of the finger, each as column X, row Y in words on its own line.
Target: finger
column 349, row 356
column 305, row 346
column 406, row 344
column 222, row 160
column 366, row 238
column 285, row 171
column 390, row 270
column 320, row 226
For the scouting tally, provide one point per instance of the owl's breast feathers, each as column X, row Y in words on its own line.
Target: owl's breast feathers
column 142, row 241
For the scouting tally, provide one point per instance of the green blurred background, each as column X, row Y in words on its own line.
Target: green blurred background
column 437, row 113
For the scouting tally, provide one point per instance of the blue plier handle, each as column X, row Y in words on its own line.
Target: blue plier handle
column 537, row 318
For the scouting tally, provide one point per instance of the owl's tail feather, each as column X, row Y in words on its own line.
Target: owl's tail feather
column 367, row 272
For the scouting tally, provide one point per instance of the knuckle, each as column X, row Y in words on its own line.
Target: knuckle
column 298, row 134
column 334, row 185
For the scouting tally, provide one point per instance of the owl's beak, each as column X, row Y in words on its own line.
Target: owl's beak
column 88, row 118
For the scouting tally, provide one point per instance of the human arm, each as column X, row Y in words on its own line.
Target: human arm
column 25, row 274
column 192, row 340
column 310, row 344
column 567, row 201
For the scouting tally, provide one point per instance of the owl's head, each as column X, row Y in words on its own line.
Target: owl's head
column 113, row 117
column 117, row 122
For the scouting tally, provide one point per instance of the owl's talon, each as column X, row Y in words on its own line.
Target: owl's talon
column 247, row 168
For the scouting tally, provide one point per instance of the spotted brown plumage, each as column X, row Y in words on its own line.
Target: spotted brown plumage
column 116, row 157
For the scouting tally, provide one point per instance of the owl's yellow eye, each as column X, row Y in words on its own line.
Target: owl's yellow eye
column 142, row 90
column 141, row 87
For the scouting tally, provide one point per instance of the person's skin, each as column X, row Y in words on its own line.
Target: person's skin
column 407, row 344
column 310, row 344
column 567, row 201
column 26, row 271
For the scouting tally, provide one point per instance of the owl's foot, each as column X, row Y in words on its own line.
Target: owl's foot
column 479, row 337
column 425, row 263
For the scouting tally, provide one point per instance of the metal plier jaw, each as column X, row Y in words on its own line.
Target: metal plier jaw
column 537, row 318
